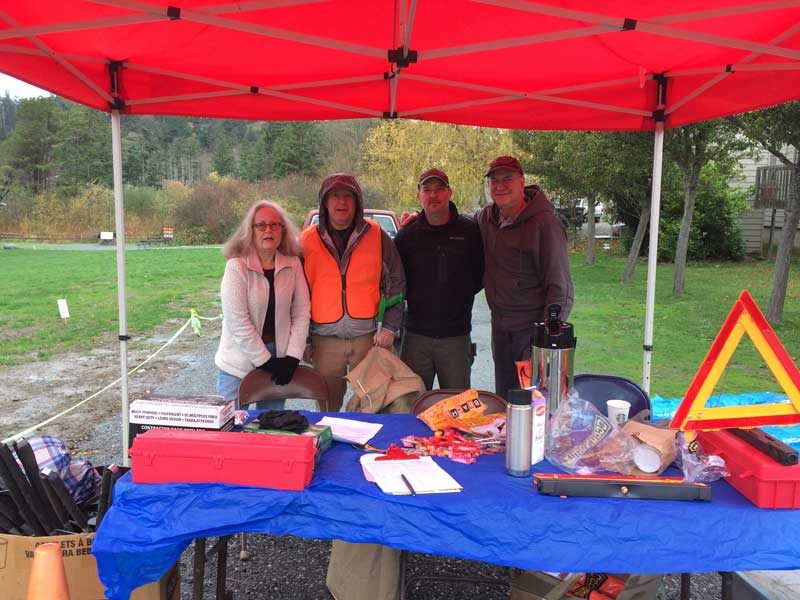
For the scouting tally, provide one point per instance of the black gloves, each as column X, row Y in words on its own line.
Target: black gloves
column 286, row 420
column 282, row 368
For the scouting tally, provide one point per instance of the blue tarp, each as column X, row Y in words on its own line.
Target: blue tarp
column 664, row 408
column 497, row 519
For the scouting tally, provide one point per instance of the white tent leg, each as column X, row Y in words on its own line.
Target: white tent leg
column 652, row 255
column 119, row 218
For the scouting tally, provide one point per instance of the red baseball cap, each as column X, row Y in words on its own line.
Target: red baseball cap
column 505, row 163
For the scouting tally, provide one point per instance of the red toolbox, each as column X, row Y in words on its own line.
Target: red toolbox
column 284, row 462
column 761, row 479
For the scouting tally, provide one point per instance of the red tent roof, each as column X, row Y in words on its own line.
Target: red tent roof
column 580, row 64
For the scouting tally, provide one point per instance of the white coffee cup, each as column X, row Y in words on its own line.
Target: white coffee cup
column 618, row 410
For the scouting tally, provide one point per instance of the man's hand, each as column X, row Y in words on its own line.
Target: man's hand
column 408, row 218
column 384, row 338
column 308, row 354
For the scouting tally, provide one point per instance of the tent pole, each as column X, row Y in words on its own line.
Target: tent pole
column 652, row 255
column 119, row 219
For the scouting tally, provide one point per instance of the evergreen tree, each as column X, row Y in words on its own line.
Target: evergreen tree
column 294, row 148
column 83, row 149
column 224, row 159
column 29, row 149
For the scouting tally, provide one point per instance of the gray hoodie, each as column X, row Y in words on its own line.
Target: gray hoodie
column 527, row 264
column 393, row 279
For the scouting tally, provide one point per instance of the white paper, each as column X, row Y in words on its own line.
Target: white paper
column 350, row 431
column 62, row 308
column 423, row 474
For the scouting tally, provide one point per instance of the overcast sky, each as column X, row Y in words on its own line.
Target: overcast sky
column 18, row 89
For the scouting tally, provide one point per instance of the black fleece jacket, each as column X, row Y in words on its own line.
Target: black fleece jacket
column 444, row 271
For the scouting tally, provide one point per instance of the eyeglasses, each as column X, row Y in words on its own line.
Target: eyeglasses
column 505, row 180
column 264, row 226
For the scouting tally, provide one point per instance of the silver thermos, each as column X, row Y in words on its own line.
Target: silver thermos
column 552, row 358
column 519, row 431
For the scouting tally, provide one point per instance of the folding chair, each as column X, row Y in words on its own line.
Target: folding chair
column 494, row 403
column 597, row 389
column 257, row 387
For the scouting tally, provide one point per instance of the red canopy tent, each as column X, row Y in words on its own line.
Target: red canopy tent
column 601, row 65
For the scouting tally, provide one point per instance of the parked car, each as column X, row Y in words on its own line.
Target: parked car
column 387, row 219
column 571, row 215
column 599, row 209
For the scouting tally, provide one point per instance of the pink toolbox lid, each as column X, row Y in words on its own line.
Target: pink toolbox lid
column 283, row 462
column 228, row 444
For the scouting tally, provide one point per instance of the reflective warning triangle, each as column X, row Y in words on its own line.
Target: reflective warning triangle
column 745, row 317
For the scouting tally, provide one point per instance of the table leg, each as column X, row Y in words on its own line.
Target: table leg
column 727, row 585
column 199, row 570
column 222, row 567
column 686, row 581
column 403, row 562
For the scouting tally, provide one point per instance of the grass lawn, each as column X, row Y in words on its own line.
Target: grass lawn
column 161, row 285
column 608, row 316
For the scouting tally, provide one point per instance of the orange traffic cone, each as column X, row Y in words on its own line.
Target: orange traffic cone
column 48, row 579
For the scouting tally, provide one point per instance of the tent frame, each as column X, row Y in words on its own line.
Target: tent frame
column 582, row 24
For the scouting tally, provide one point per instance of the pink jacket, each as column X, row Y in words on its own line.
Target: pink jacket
column 245, row 292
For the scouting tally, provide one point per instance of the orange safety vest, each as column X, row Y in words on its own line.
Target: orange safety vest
column 361, row 293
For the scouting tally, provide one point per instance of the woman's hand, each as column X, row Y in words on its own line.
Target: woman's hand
column 383, row 338
column 284, row 369
column 308, row 354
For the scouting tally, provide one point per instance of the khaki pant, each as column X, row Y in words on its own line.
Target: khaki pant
column 332, row 357
column 363, row 572
column 366, row 571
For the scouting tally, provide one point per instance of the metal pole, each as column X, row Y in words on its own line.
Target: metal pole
column 652, row 257
column 119, row 219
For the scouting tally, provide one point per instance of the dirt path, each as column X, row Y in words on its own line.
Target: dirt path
column 36, row 391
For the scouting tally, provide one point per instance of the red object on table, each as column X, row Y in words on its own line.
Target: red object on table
column 395, row 452
column 283, row 462
column 757, row 476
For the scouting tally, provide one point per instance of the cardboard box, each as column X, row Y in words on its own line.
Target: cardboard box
column 135, row 429
column 202, row 412
column 539, row 429
column 16, row 559
column 536, row 585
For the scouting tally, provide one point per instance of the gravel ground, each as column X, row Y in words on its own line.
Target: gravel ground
column 280, row 568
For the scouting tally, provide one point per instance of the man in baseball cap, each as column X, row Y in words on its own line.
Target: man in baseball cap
column 442, row 256
column 527, row 265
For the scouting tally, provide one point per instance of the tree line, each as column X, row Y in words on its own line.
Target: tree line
column 199, row 175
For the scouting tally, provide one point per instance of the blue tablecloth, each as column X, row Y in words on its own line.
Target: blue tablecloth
column 497, row 519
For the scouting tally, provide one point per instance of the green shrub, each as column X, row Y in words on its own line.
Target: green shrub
column 715, row 232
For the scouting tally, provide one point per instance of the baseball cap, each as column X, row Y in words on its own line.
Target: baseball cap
column 506, row 163
column 433, row 174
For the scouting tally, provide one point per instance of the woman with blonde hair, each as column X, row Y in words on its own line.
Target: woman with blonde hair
column 265, row 301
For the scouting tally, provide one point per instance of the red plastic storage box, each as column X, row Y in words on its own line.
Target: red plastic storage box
column 762, row 480
column 271, row 461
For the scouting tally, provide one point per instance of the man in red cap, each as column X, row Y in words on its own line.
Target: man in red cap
column 442, row 257
column 527, row 265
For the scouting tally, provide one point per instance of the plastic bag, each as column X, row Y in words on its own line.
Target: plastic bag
column 462, row 411
column 581, row 440
column 697, row 466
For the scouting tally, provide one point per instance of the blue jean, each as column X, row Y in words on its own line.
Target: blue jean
column 228, row 388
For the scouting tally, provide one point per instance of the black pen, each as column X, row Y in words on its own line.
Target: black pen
column 408, row 484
